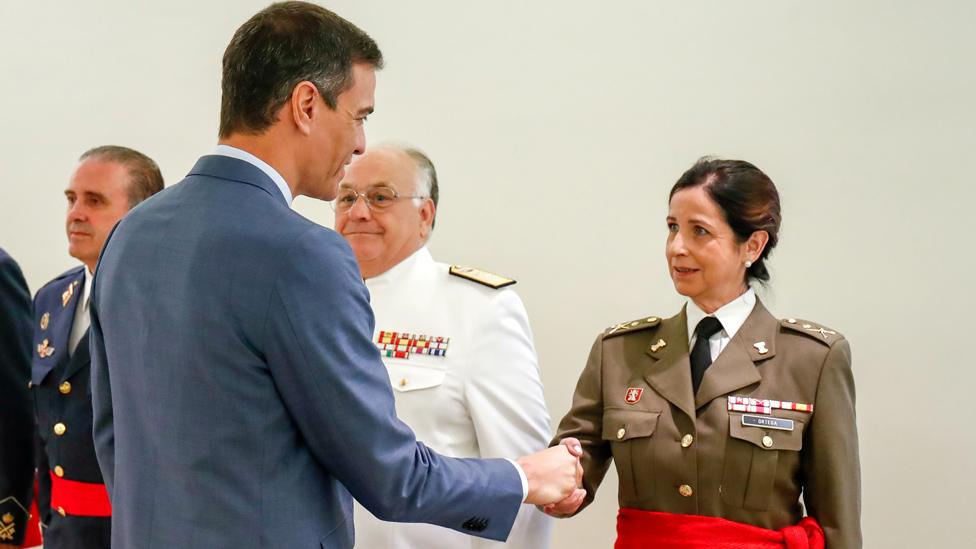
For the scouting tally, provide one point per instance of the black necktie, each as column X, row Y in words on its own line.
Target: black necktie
column 701, row 354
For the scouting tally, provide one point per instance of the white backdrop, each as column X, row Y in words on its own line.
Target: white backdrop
column 557, row 129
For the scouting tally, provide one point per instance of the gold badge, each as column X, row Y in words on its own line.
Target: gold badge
column 761, row 347
column 66, row 296
column 822, row 331
column 44, row 350
column 7, row 529
column 659, row 345
column 45, row 320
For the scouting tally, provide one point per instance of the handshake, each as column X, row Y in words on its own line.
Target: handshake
column 555, row 478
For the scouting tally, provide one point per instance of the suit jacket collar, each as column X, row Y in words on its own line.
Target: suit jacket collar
column 233, row 169
column 735, row 367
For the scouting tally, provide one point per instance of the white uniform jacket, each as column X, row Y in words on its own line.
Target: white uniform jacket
column 483, row 398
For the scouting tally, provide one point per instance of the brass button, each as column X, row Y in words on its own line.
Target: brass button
column 768, row 441
column 687, row 441
column 686, row 491
column 62, row 512
column 30, row 384
column 403, row 382
column 58, row 470
column 65, row 387
column 791, row 320
column 59, row 429
column 621, row 432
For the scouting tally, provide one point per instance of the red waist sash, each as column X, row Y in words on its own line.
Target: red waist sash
column 638, row 529
column 85, row 499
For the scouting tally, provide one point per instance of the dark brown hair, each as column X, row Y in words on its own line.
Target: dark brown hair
column 280, row 46
column 145, row 179
column 747, row 197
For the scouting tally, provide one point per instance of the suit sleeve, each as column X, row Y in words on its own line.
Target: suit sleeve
column 506, row 403
column 585, row 422
column 16, row 414
column 103, row 430
column 832, row 489
column 319, row 349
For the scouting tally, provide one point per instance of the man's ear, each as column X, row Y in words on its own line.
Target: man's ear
column 427, row 213
column 303, row 106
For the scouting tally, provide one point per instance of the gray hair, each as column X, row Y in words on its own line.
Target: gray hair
column 426, row 183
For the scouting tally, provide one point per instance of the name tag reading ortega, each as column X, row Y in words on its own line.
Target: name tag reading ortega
column 767, row 422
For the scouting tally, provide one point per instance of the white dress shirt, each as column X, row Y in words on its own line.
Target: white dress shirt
column 234, row 152
column 82, row 321
column 732, row 315
column 482, row 399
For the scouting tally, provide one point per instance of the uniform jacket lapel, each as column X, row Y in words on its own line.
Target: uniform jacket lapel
column 59, row 328
column 670, row 374
column 80, row 359
column 735, row 367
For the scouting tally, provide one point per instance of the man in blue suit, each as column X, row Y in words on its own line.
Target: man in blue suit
column 239, row 400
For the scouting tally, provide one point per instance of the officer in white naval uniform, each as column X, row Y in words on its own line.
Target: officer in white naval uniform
column 456, row 341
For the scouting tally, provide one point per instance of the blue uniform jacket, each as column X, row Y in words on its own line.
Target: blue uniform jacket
column 16, row 423
column 61, row 383
column 238, row 397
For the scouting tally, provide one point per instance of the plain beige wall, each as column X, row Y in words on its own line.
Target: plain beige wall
column 557, row 129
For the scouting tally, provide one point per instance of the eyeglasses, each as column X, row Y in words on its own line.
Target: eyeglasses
column 376, row 198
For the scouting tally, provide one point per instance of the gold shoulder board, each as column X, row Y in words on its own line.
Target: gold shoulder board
column 491, row 280
column 639, row 324
column 819, row 332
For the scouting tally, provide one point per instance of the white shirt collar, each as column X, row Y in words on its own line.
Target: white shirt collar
column 234, row 152
column 88, row 286
column 732, row 315
column 420, row 257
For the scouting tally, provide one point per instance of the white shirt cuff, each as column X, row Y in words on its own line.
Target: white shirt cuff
column 525, row 481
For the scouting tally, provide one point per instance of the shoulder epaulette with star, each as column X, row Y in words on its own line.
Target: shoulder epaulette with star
column 491, row 280
column 633, row 325
column 816, row 331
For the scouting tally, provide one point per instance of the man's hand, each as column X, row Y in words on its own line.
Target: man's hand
column 573, row 501
column 554, row 473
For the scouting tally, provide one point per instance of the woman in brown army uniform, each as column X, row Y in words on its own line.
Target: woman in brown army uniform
column 719, row 418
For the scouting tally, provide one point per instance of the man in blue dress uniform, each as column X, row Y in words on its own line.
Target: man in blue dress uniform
column 16, row 423
column 73, row 504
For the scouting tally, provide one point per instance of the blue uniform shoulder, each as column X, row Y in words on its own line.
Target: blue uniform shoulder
column 55, row 285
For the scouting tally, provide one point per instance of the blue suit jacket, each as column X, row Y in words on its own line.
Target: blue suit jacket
column 238, row 397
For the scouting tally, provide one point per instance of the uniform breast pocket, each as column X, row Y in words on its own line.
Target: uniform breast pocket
column 408, row 378
column 631, row 434
column 760, row 450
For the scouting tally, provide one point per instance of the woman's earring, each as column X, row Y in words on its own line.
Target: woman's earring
column 748, row 264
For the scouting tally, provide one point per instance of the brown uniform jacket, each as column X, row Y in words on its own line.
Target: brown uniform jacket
column 681, row 453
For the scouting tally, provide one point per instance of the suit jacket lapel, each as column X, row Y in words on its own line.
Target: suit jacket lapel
column 670, row 373
column 735, row 367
